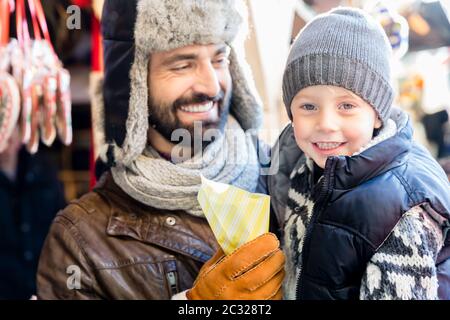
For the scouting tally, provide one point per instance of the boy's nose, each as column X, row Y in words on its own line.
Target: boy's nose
column 327, row 122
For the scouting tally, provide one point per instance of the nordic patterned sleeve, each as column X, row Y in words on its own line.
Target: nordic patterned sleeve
column 404, row 266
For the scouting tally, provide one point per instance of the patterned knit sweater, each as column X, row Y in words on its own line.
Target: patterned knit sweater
column 402, row 268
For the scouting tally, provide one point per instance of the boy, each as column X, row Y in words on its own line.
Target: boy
column 366, row 212
column 367, row 209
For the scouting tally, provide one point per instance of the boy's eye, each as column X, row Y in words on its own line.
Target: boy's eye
column 346, row 106
column 308, row 107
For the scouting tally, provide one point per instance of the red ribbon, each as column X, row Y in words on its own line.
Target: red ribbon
column 37, row 32
column 42, row 22
column 23, row 34
column 4, row 20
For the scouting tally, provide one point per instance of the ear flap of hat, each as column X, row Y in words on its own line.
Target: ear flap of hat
column 97, row 113
column 246, row 105
column 137, row 118
column 117, row 27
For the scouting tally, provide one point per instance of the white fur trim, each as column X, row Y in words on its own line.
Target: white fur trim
column 97, row 112
column 163, row 25
column 388, row 131
column 137, row 121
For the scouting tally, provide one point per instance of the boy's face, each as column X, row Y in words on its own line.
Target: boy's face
column 331, row 121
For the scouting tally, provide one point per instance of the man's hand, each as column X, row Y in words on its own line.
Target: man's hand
column 254, row 271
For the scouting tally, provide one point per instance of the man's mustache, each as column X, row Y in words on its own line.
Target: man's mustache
column 198, row 99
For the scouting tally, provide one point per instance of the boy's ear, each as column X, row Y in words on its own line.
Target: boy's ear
column 378, row 123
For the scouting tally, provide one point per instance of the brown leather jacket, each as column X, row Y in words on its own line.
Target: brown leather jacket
column 107, row 245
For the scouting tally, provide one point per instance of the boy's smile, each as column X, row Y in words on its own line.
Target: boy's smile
column 331, row 121
column 328, row 148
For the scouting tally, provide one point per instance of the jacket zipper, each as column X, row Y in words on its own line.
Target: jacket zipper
column 324, row 192
column 172, row 281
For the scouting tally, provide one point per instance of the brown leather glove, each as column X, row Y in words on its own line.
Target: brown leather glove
column 254, row 271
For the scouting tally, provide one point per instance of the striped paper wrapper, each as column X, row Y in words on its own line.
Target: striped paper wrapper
column 236, row 216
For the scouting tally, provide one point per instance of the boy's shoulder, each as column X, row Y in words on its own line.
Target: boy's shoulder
column 413, row 182
column 286, row 153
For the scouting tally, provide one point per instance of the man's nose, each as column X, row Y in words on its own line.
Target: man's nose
column 207, row 81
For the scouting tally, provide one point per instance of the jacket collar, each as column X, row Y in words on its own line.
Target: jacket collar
column 167, row 229
column 350, row 171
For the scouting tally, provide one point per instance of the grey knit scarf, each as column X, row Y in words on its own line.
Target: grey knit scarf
column 152, row 180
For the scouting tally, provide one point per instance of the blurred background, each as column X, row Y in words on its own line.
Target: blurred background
column 419, row 32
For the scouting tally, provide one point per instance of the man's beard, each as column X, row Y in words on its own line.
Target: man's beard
column 164, row 119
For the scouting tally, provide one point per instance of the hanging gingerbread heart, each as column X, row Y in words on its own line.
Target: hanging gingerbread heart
column 9, row 107
column 64, row 107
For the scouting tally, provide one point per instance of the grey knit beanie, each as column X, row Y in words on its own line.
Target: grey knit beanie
column 344, row 47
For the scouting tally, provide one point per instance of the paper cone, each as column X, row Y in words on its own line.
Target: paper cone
column 236, row 216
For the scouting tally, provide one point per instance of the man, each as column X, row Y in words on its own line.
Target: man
column 30, row 197
column 171, row 73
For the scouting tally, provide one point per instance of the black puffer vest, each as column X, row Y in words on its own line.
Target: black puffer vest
column 360, row 201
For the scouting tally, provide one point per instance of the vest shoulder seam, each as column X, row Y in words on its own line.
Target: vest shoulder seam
column 351, row 230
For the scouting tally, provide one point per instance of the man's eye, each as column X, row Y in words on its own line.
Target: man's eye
column 346, row 106
column 180, row 67
column 221, row 61
column 308, row 107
